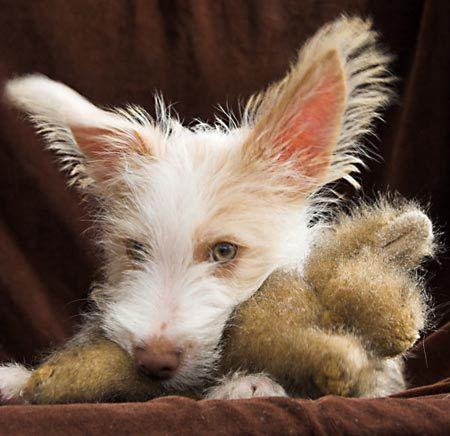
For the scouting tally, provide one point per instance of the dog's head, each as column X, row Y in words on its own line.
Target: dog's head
column 194, row 219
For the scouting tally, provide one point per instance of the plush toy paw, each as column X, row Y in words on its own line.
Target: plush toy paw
column 95, row 371
column 339, row 375
column 364, row 272
column 240, row 386
column 337, row 364
column 397, row 231
column 407, row 239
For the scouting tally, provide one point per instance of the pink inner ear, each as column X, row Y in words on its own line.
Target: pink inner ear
column 93, row 143
column 91, row 140
column 314, row 120
column 105, row 147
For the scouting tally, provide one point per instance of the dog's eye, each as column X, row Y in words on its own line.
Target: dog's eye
column 223, row 252
column 137, row 251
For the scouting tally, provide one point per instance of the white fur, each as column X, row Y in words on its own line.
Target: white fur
column 239, row 386
column 188, row 190
column 390, row 378
column 13, row 378
column 181, row 188
column 53, row 100
column 176, row 202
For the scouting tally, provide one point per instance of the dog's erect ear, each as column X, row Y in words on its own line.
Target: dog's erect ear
column 309, row 125
column 90, row 141
column 303, row 124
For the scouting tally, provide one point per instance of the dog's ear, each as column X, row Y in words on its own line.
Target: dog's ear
column 309, row 125
column 91, row 142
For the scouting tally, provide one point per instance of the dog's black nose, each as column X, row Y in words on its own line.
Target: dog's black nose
column 158, row 359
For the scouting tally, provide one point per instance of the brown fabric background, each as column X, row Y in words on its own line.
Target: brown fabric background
column 201, row 53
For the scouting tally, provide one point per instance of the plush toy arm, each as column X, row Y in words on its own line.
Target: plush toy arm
column 362, row 272
column 97, row 370
column 398, row 231
column 285, row 342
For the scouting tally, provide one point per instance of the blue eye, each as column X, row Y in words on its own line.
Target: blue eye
column 223, row 252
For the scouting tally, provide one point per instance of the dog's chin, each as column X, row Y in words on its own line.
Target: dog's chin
column 192, row 375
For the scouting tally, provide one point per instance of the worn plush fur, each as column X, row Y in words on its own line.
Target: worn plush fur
column 340, row 328
column 168, row 194
column 342, row 324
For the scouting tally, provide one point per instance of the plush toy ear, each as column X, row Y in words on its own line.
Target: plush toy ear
column 309, row 124
column 90, row 141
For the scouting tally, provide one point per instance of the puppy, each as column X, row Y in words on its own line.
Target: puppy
column 193, row 220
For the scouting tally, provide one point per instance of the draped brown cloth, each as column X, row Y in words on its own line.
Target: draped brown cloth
column 200, row 54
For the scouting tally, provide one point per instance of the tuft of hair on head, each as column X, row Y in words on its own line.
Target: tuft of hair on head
column 304, row 131
column 313, row 120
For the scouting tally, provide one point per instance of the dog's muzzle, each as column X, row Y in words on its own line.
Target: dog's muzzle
column 158, row 358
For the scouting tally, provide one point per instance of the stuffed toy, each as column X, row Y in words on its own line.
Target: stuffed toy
column 339, row 325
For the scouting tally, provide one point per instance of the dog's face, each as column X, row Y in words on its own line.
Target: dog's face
column 187, row 239
column 194, row 219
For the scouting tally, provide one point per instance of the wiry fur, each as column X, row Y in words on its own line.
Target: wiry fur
column 92, row 371
column 342, row 332
column 178, row 190
column 368, row 88
column 357, row 307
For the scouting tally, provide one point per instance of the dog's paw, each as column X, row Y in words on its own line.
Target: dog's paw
column 246, row 386
column 13, row 378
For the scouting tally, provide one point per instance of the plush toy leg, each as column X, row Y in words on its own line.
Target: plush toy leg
column 384, row 305
column 363, row 272
column 91, row 372
column 307, row 362
column 337, row 364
